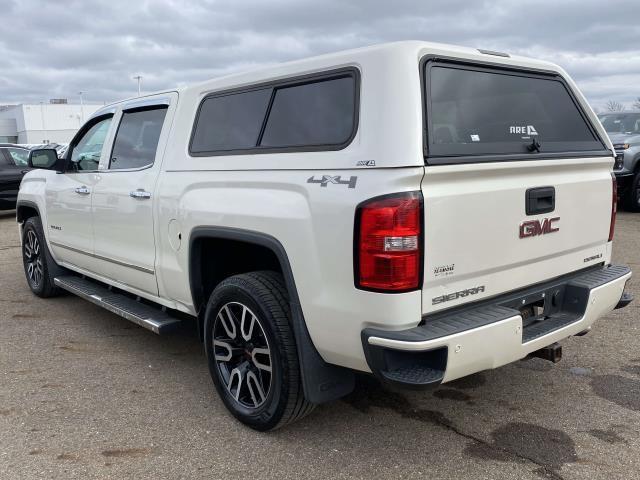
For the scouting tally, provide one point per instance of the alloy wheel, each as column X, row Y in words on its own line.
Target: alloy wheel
column 33, row 259
column 242, row 354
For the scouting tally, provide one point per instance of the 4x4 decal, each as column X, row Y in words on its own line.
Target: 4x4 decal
column 337, row 180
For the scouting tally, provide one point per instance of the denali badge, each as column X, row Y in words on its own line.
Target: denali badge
column 533, row 228
column 593, row 257
column 366, row 163
column 456, row 295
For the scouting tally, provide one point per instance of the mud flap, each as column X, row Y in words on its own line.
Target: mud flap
column 322, row 381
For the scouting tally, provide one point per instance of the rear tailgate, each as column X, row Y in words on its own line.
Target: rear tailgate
column 517, row 188
column 473, row 217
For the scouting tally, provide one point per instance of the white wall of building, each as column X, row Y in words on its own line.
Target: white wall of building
column 45, row 122
column 8, row 130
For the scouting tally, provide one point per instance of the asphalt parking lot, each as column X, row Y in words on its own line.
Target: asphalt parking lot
column 86, row 394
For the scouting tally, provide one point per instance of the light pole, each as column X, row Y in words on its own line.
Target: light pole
column 81, row 108
column 44, row 127
column 138, row 78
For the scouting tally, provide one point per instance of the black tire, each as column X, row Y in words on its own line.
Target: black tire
column 632, row 200
column 39, row 266
column 261, row 297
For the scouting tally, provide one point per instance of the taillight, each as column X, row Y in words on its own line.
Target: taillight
column 614, row 207
column 388, row 243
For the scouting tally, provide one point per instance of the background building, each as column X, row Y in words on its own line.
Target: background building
column 53, row 122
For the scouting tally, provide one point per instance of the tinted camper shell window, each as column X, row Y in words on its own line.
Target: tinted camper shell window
column 310, row 113
column 476, row 113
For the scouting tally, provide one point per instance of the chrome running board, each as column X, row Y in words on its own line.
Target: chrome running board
column 152, row 318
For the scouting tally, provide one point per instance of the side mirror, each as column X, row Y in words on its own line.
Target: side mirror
column 45, row 158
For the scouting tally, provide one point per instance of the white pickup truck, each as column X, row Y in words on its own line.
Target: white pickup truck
column 414, row 210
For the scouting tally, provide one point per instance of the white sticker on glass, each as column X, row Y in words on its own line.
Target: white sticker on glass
column 523, row 130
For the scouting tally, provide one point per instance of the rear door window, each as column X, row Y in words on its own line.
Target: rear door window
column 484, row 112
column 137, row 138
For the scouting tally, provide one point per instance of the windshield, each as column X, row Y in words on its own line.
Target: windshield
column 485, row 111
column 621, row 122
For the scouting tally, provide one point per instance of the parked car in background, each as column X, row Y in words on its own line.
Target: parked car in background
column 624, row 131
column 13, row 165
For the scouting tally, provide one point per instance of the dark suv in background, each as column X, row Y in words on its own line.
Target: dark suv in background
column 13, row 166
column 624, row 130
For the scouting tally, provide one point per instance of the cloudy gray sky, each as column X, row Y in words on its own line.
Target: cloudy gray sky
column 58, row 48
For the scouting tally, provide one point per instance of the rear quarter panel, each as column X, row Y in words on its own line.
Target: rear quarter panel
column 315, row 226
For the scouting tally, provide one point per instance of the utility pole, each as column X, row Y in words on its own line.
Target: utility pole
column 81, row 109
column 138, row 78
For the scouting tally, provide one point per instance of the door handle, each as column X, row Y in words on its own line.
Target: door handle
column 540, row 200
column 83, row 190
column 140, row 193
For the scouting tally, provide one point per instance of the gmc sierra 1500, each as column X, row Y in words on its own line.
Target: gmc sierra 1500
column 414, row 210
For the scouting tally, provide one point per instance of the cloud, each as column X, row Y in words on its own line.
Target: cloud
column 56, row 49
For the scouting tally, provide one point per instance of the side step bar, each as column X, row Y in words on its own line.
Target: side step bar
column 154, row 319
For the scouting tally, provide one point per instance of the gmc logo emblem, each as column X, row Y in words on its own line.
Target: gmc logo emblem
column 533, row 228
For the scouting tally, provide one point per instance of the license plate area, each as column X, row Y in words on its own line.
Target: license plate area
column 538, row 306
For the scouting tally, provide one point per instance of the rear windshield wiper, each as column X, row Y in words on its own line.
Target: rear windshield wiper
column 534, row 145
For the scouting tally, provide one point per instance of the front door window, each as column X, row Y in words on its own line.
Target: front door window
column 86, row 152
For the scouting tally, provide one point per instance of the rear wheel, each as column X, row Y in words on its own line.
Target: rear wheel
column 39, row 267
column 251, row 351
column 633, row 195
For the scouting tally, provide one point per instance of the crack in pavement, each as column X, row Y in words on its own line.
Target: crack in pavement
column 546, row 469
column 369, row 393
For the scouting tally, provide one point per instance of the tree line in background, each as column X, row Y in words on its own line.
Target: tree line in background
column 613, row 106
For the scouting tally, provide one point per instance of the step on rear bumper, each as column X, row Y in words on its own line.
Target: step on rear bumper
column 492, row 333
